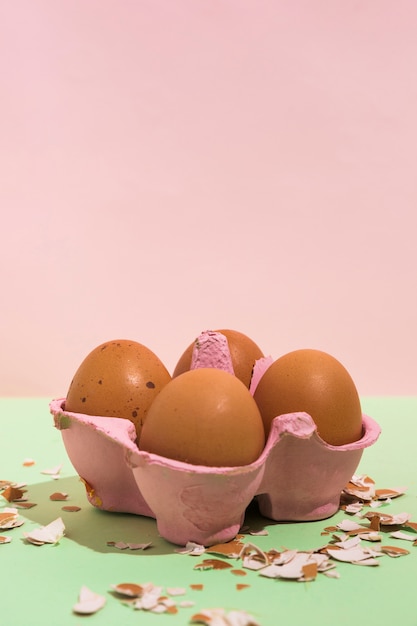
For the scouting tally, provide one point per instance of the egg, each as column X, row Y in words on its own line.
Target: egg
column 204, row 416
column 316, row 383
column 119, row 378
column 243, row 351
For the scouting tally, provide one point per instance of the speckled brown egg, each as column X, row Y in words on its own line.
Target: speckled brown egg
column 314, row 382
column 205, row 417
column 119, row 378
column 243, row 351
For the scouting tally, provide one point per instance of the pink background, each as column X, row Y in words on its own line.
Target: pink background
column 169, row 167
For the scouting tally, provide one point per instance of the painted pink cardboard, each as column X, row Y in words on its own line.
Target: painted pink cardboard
column 297, row 477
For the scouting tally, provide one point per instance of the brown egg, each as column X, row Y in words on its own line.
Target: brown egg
column 318, row 384
column 119, row 378
column 243, row 351
column 205, row 417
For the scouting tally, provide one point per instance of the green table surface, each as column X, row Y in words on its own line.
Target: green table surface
column 40, row 584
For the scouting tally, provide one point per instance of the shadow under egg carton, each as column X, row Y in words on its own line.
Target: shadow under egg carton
column 298, row 477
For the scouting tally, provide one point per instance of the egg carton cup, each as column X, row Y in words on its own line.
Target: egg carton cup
column 298, row 476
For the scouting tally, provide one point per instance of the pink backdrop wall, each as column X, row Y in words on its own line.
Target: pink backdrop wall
column 168, row 167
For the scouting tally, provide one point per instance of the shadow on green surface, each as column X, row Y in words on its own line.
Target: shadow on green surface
column 93, row 528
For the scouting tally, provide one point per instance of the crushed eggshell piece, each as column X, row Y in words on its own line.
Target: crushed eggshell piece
column 352, row 555
column 207, row 564
column 139, row 546
column 399, row 534
column 238, row 572
column 388, row 520
column 149, row 599
column 394, row 551
column 253, row 563
column 13, row 493
column 5, row 483
column 89, row 602
column 384, row 494
column 231, row 549
column 191, row 548
column 166, row 605
column 122, row 545
column 373, row 535
column 9, row 518
column 371, row 562
column 295, row 567
column 362, row 487
column 202, row 618
column 132, row 590
column 221, row 617
column 353, row 508
column 376, row 504
column 176, row 591
column 351, row 542
column 24, row 504
column 51, row 533
column 253, row 558
column 53, row 472
column 186, row 604
column 284, row 557
column 310, row 571
column 58, row 496
column 348, row 525
column 375, row 522
column 5, row 539
column 146, row 597
column 259, row 533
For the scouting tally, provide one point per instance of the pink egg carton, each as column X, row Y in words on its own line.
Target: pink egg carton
column 298, row 476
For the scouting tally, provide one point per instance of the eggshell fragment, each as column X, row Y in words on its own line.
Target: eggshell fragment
column 5, row 539
column 221, row 617
column 51, row 533
column 9, row 518
column 89, row 602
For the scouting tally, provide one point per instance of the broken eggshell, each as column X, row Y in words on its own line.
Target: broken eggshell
column 298, row 476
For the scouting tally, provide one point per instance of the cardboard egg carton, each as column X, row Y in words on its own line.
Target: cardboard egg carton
column 298, row 476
